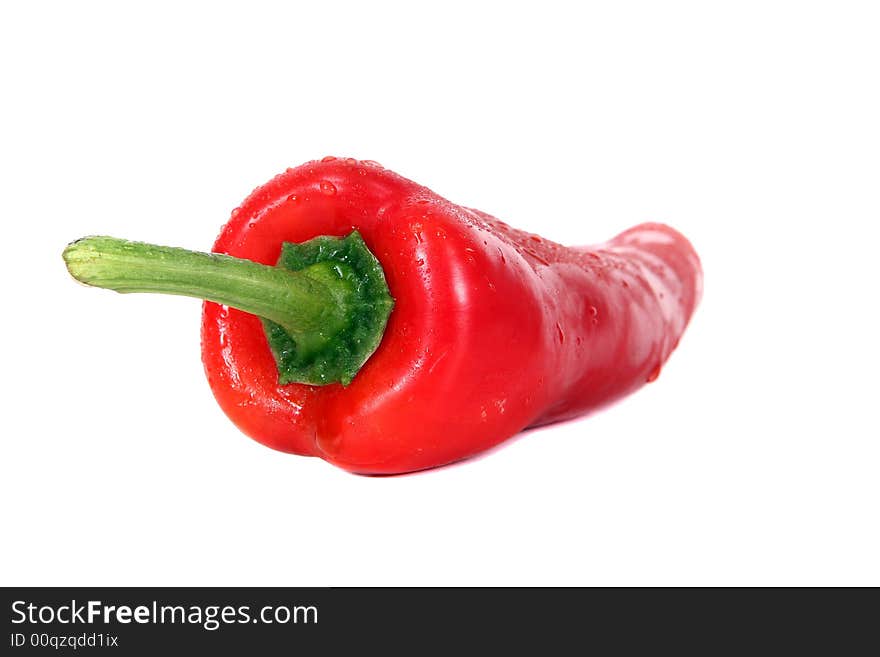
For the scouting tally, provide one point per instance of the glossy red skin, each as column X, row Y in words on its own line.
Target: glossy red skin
column 493, row 329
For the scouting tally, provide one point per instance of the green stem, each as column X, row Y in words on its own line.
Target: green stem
column 325, row 305
column 295, row 301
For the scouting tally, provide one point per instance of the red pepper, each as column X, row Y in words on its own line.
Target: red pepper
column 493, row 329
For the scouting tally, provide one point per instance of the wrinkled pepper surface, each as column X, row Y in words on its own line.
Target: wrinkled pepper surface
column 483, row 330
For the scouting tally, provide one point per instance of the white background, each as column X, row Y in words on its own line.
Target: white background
column 750, row 126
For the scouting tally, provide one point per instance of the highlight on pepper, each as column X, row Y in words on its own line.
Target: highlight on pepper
column 352, row 314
